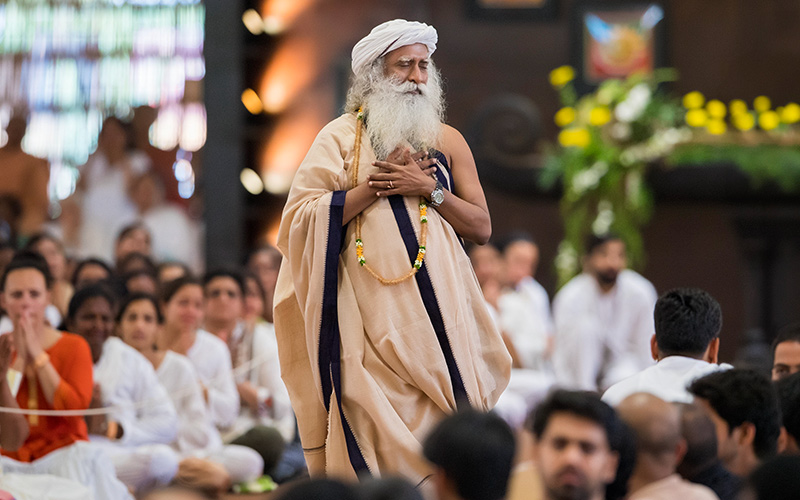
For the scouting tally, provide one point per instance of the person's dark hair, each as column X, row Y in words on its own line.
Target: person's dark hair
column 388, row 488
column 168, row 290
column 686, row 321
column 231, row 273
column 789, row 398
column 94, row 262
column 137, row 296
column 789, row 333
column 273, row 252
column 136, row 260
column 740, row 396
column 130, row 228
column 135, row 274
column 583, row 404
column 92, row 291
column 594, row 241
column 475, row 450
column 36, row 238
column 514, row 237
column 27, row 260
column 247, row 274
column 775, row 479
column 318, row 489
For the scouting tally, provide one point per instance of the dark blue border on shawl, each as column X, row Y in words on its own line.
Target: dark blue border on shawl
column 426, row 289
column 329, row 335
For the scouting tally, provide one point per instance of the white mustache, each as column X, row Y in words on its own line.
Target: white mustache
column 408, row 87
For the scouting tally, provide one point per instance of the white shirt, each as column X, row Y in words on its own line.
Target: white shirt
column 175, row 236
column 667, row 379
column 127, row 379
column 602, row 335
column 259, row 351
column 196, row 431
column 212, row 361
column 525, row 318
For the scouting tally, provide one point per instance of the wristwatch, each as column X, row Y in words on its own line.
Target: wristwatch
column 437, row 195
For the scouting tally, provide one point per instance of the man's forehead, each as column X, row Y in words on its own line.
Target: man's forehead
column 788, row 352
column 564, row 425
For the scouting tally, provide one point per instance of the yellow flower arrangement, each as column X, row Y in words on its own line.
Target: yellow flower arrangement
column 696, row 117
column 715, row 126
column 693, row 100
column 565, row 116
column 599, row 116
column 790, row 113
column 716, row 109
column 562, row 76
column 762, row 103
column 769, row 120
column 737, row 107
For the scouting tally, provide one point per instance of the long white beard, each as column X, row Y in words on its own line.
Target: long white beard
column 404, row 115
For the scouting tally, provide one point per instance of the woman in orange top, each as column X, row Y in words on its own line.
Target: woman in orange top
column 56, row 367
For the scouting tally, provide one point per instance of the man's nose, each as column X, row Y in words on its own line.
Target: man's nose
column 415, row 75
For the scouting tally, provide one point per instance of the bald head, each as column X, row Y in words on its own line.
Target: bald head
column 657, row 424
column 701, row 439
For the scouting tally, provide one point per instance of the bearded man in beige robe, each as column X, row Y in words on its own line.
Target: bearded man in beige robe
column 381, row 325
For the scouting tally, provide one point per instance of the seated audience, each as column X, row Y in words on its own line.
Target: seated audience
column 700, row 464
column 54, row 370
column 685, row 346
column 136, row 261
column 472, row 453
column 789, row 397
column 138, row 321
column 318, row 489
column 265, row 420
column 388, row 488
column 744, row 408
column 659, row 448
column 182, row 306
column 90, row 271
column 576, row 436
column 143, row 422
column 786, row 352
column 603, row 319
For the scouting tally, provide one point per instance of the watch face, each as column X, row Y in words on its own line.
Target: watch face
column 438, row 196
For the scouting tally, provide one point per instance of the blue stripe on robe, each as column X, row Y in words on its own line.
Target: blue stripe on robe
column 426, row 289
column 329, row 335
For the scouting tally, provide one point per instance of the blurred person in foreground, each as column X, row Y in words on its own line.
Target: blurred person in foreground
column 685, row 346
column 659, row 449
column 380, row 321
column 744, row 407
column 24, row 177
column 473, row 453
column 789, row 397
column 604, row 319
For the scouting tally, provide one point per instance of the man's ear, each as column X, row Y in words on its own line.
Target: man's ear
column 654, row 347
column 746, row 434
column 712, row 352
column 783, row 440
column 680, row 451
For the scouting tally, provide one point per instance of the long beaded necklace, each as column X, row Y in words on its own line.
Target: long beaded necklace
column 423, row 218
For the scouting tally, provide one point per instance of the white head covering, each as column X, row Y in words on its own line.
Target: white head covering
column 391, row 35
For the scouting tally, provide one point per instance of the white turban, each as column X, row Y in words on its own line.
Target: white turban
column 391, row 35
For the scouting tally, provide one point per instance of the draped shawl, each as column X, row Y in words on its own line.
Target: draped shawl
column 371, row 368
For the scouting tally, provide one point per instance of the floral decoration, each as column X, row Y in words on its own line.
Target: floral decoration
column 609, row 137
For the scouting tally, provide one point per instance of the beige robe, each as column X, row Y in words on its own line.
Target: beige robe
column 387, row 364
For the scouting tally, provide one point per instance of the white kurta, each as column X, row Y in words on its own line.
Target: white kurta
column 212, row 361
column 197, row 435
column 259, row 350
column 525, row 318
column 601, row 338
column 667, row 379
column 141, row 457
